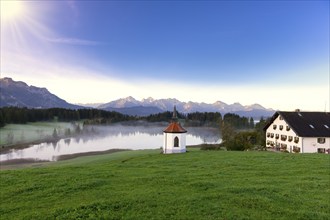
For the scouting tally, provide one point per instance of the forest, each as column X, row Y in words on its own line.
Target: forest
column 15, row 115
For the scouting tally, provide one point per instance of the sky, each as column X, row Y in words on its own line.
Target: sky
column 275, row 53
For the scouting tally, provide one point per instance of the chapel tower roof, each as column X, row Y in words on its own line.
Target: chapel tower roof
column 175, row 126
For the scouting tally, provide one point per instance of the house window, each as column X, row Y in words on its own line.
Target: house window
column 287, row 128
column 296, row 149
column 296, row 140
column 281, row 118
column 283, row 137
column 272, row 135
column 268, row 135
column 176, row 142
column 281, row 127
column 277, row 136
column 321, row 140
column 290, row 138
column 284, row 147
column 321, row 150
column 274, row 127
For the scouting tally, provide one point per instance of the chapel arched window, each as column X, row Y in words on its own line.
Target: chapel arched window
column 176, row 142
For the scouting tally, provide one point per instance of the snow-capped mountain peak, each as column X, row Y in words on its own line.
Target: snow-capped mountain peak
column 185, row 107
column 148, row 100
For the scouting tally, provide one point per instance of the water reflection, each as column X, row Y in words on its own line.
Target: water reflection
column 102, row 138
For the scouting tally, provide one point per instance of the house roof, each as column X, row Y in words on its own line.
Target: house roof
column 306, row 124
column 175, row 127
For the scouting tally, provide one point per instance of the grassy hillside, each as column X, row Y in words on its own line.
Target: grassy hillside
column 148, row 185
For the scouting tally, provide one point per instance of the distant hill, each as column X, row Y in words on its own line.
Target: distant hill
column 136, row 110
column 147, row 106
column 19, row 94
column 89, row 105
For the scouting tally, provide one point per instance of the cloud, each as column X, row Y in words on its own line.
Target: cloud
column 73, row 41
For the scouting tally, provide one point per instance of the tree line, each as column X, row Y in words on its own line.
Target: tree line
column 204, row 119
column 17, row 115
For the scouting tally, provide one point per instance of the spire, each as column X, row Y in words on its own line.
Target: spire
column 174, row 117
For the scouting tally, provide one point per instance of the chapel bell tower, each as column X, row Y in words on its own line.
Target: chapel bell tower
column 174, row 137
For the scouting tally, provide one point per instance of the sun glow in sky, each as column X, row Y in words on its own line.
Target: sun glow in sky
column 275, row 53
column 11, row 9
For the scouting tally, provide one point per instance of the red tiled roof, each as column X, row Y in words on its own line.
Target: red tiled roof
column 175, row 127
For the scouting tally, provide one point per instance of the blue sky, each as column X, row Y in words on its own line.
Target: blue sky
column 275, row 53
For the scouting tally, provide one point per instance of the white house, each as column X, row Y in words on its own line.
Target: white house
column 299, row 132
column 174, row 137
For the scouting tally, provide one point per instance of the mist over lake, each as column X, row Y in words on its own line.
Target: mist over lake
column 103, row 138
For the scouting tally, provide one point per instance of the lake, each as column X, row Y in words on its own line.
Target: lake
column 103, row 138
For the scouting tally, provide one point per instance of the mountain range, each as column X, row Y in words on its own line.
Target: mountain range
column 147, row 106
column 17, row 93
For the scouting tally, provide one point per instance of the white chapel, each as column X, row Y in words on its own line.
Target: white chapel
column 174, row 137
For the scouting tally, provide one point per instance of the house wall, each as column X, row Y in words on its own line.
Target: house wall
column 283, row 143
column 310, row 145
column 168, row 144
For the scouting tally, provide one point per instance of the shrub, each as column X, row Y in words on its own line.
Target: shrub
column 210, row 147
column 242, row 141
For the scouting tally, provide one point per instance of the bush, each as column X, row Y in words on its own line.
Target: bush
column 210, row 147
column 241, row 141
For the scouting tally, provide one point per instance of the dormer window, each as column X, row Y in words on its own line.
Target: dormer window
column 274, row 127
column 326, row 126
column 311, row 126
column 281, row 127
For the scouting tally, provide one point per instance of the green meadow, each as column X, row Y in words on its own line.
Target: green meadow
column 148, row 185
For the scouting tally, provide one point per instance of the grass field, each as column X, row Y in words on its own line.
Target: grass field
column 149, row 185
column 13, row 134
